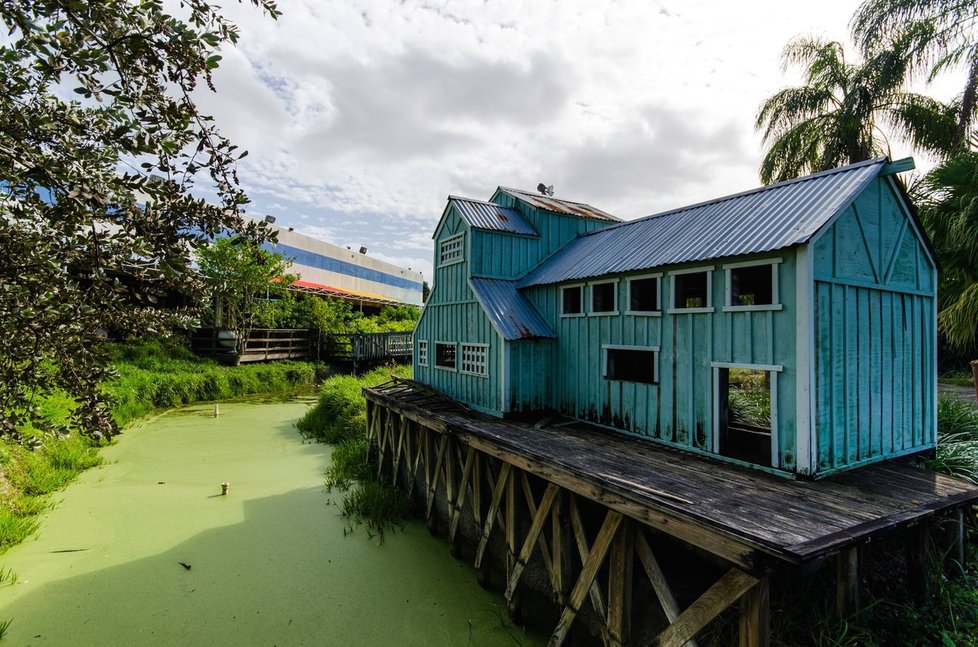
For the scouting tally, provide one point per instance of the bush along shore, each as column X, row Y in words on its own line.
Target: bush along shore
column 150, row 376
column 340, row 419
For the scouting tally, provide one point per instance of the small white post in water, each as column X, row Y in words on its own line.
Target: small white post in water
column 224, row 487
column 217, row 411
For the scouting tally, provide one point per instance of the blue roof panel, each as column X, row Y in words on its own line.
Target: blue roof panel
column 486, row 215
column 765, row 219
column 511, row 313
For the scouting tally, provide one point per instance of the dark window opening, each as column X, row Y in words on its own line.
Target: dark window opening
column 572, row 301
column 630, row 365
column 690, row 290
column 752, row 286
column 445, row 355
column 643, row 295
column 603, row 297
column 745, row 415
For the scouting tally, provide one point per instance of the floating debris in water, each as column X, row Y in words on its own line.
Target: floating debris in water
column 185, row 565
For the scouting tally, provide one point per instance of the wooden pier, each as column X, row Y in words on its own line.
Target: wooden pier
column 584, row 502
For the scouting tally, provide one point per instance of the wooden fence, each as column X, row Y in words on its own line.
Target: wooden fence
column 264, row 344
column 366, row 349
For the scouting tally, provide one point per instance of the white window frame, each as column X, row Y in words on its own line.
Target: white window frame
column 709, row 291
column 485, row 359
column 658, row 295
column 590, row 299
column 461, row 250
column 583, row 312
column 773, row 369
column 446, row 368
column 422, row 352
column 775, row 287
column 655, row 361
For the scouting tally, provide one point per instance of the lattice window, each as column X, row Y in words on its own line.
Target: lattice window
column 423, row 352
column 451, row 250
column 475, row 359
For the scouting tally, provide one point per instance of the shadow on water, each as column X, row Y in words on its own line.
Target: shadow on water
column 269, row 564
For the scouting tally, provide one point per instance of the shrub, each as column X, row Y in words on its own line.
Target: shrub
column 957, row 434
column 340, row 418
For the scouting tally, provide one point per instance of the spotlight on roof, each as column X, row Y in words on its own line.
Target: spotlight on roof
column 269, row 219
column 363, row 250
column 544, row 189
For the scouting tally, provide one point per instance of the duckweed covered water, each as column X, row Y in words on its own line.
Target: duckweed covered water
column 268, row 564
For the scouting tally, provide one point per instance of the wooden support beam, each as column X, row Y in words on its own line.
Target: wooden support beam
column 847, row 582
column 560, row 533
column 656, row 577
column 435, row 477
column 755, row 615
column 919, row 560
column 584, row 551
column 589, row 572
column 495, row 500
column 541, row 539
column 450, row 481
column 420, row 440
column 400, row 446
column 512, row 521
column 708, row 606
column 620, row 562
column 459, row 503
column 482, row 572
column 382, row 441
column 539, row 520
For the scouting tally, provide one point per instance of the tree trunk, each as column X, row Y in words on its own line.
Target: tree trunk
column 969, row 100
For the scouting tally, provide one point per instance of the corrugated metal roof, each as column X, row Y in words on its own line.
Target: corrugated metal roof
column 560, row 206
column 510, row 312
column 765, row 219
column 486, row 215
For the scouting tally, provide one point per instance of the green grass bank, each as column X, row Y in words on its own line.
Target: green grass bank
column 151, row 376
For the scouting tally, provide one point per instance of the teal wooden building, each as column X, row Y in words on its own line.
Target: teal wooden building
column 791, row 328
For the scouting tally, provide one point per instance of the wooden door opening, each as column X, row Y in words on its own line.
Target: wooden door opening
column 744, row 398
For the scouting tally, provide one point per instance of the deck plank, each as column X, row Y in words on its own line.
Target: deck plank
column 720, row 503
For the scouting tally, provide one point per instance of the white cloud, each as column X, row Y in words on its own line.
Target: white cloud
column 361, row 116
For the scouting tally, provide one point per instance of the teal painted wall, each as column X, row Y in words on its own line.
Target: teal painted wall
column 531, row 373
column 453, row 314
column 500, row 255
column 875, row 356
column 679, row 410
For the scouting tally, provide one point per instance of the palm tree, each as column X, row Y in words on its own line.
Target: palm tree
column 949, row 211
column 939, row 34
column 837, row 116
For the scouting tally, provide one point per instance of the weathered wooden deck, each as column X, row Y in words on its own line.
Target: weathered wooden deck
column 746, row 517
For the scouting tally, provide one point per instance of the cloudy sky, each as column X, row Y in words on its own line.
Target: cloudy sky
column 361, row 117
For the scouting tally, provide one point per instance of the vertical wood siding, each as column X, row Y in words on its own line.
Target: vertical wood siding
column 679, row 409
column 874, row 340
column 452, row 314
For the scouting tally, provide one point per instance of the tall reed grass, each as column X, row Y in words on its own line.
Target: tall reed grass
column 340, row 419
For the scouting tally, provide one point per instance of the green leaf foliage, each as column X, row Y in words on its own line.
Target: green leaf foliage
column 839, row 115
column 103, row 154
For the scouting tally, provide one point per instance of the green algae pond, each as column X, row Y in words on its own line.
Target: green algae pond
column 146, row 551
